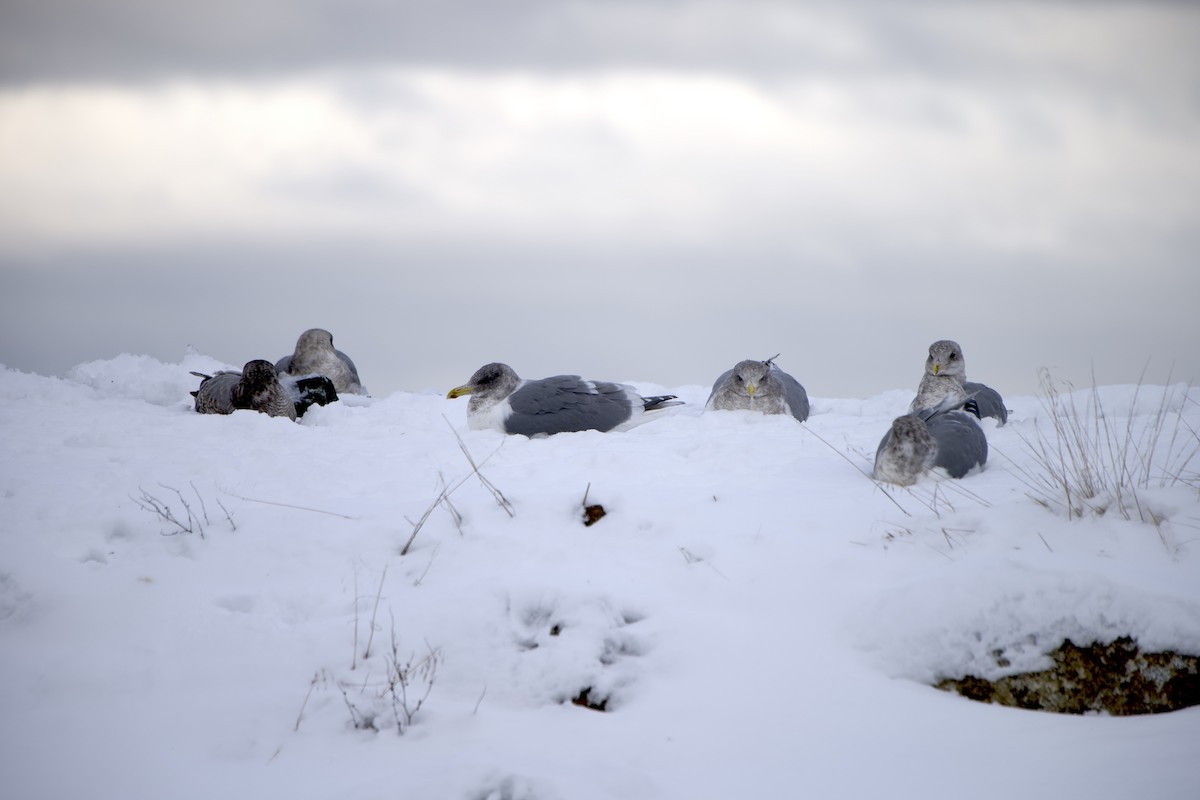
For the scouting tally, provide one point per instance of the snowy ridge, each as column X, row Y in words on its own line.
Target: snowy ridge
column 758, row 615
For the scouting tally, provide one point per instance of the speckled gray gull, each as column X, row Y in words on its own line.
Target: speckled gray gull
column 561, row 404
column 759, row 386
column 316, row 355
column 946, row 377
column 256, row 388
column 947, row 436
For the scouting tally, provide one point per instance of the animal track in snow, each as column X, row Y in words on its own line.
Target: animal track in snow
column 577, row 649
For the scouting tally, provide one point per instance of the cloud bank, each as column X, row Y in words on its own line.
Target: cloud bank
column 648, row 190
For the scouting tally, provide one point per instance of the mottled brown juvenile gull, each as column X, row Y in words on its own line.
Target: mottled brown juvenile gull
column 946, row 436
column 564, row 403
column 946, row 378
column 315, row 355
column 759, row 386
column 256, row 388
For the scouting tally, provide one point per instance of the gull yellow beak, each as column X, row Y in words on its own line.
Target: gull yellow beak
column 750, row 387
column 935, row 367
column 458, row 391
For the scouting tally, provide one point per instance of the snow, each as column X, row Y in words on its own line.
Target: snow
column 762, row 618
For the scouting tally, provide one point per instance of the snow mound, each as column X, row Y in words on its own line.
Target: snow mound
column 136, row 377
column 752, row 616
column 997, row 622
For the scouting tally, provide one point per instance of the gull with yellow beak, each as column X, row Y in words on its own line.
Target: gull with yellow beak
column 945, row 379
column 759, row 386
column 562, row 404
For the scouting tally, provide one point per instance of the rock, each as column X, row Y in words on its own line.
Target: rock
column 1115, row 678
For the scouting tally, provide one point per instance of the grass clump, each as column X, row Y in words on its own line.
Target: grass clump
column 1089, row 463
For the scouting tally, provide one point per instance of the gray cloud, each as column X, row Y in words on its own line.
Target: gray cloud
column 632, row 190
column 123, row 40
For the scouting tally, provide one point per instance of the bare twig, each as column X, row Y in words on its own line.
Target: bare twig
column 401, row 678
column 203, row 508
column 228, row 516
column 354, row 654
column 193, row 520
column 313, row 685
column 443, row 497
column 425, row 572
column 496, row 493
column 421, row 522
column 946, row 556
column 450, row 509
column 947, row 537
column 376, row 702
column 857, row 469
column 360, row 720
column 692, row 558
column 286, row 505
column 374, row 612
column 163, row 510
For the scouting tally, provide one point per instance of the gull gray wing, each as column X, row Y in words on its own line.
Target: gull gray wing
column 718, row 385
column 988, row 400
column 961, row 443
column 794, row 394
column 567, row 403
column 346, row 360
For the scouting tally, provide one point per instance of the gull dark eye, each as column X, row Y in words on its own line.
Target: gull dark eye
column 953, row 356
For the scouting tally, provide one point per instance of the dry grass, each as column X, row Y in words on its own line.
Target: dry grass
column 1088, row 463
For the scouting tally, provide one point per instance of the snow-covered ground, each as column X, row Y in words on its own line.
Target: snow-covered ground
column 761, row 617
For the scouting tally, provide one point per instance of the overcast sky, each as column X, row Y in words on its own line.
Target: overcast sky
column 648, row 190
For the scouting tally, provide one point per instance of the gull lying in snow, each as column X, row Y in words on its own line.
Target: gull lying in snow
column 947, row 437
column 759, row 386
column 564, row 403
column 946, row 377
column 256, row 388
column 315, row 355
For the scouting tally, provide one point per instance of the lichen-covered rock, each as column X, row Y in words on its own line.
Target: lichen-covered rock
column 1116, row 678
